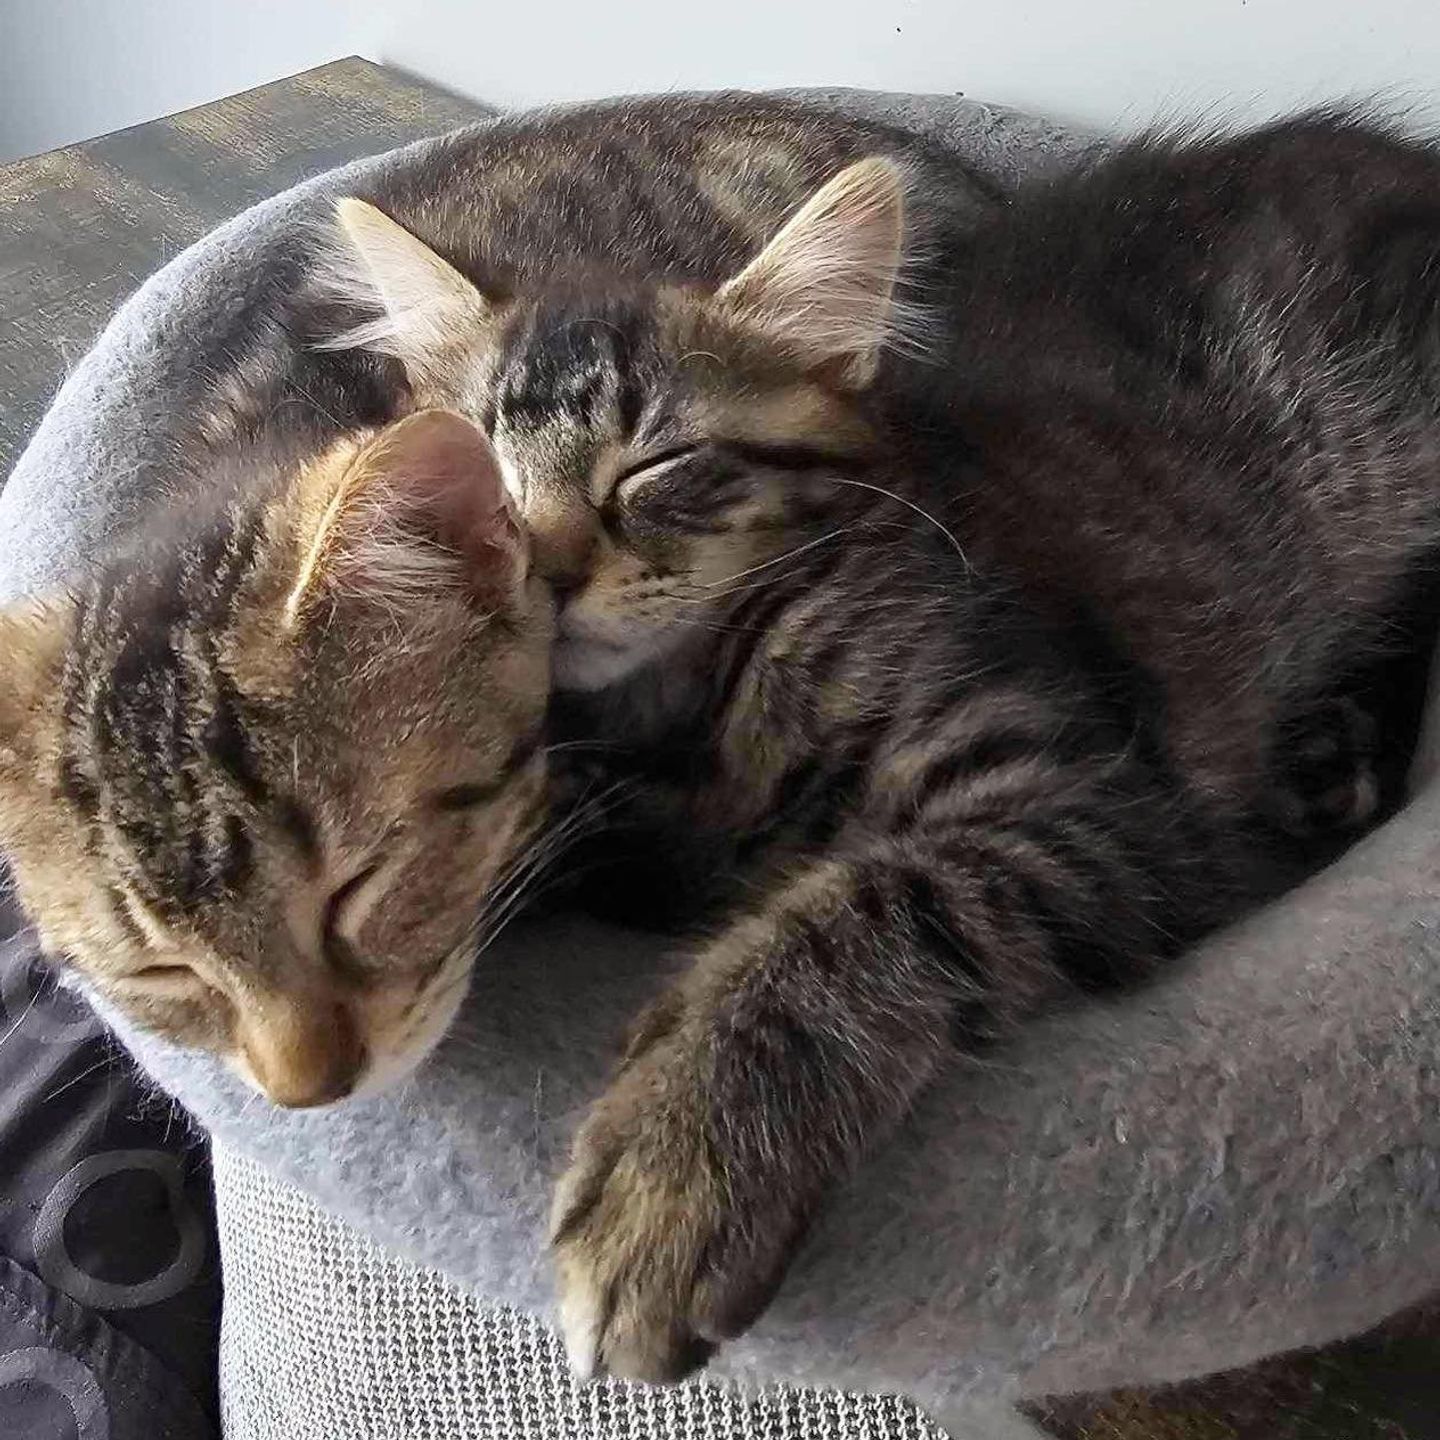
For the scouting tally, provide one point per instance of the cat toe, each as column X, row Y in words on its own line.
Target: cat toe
column 632, row 1223
column 626, row 1270
column 1330, row 784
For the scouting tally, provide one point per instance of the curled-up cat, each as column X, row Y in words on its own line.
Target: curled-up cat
column 977, row 703
column 263, row 764
column 259, row 773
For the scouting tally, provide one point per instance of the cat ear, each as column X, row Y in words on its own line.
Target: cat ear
column 825, row 285
column 419, row 513
column 428, row 311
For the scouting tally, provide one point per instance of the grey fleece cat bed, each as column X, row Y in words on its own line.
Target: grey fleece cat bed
column 1240, row 1159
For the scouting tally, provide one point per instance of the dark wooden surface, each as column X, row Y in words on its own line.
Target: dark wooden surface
column 81, row 227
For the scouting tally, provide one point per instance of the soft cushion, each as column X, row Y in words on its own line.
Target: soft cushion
column 1240, row 1159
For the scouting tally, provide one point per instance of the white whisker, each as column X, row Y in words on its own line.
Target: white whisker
column 20, row 1018
column 108, row 1059
column 909, row 505
column 518, row 886
column 785, row 555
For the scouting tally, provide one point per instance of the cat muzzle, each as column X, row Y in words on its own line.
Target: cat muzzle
column 300, row 1056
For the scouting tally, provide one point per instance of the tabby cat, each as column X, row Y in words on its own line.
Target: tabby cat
column 261, row 765
column 978, row 695
column 259, row 774
column 968, row 675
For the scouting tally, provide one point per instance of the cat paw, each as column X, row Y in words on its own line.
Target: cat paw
column 1331, row 783
column 655, row 1266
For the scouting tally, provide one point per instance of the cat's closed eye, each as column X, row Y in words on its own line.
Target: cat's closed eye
column 178, row 981
column 341, row 901
column 648, row 469
column 459, row 798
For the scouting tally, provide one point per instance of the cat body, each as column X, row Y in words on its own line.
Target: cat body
column 972, row 690
column 1201, row 404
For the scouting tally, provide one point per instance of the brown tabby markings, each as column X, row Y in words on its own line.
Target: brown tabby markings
column 974, row 709
column 220, row 792
column 249, row 771
column 957, row 782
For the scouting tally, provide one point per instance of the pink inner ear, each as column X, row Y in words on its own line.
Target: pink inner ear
column 447, row 470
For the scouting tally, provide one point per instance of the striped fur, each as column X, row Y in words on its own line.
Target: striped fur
column 966, row 683
column 222, row 806
column 253, row 777
column 969, row 698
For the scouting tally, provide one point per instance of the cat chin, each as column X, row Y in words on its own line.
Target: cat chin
column 587, row 664
column 390, row 1071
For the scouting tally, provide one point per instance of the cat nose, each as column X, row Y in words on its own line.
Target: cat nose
column 563, row 545
column 323, row 1087
column 302, row 1055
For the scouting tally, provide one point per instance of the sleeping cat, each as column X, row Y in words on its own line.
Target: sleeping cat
column 261, row 765
column 961, row 764
column 260, row 772
column 976, row 698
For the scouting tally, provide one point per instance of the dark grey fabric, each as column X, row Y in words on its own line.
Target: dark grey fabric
column 109, row 1274
column 66, row 1374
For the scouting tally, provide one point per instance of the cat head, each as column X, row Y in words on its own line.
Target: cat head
column 662, row 442
column 256, row 780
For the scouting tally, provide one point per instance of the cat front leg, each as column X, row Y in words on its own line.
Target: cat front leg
column 799, row 1038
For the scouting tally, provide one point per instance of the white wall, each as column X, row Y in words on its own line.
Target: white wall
column 70, row 69
column 74, row 68
column 1106, row 62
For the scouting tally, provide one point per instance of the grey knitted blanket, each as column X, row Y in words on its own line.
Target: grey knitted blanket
column 1243, row 1158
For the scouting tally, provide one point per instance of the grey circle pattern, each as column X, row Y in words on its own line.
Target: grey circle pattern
column 57, row 1266
column 23, row 1004
column 67, row 1377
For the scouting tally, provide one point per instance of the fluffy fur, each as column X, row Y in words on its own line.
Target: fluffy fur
column 983, row 685
column 1114, row 1201
column 250, row 767
column 291, row 586
column 1018, row 784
